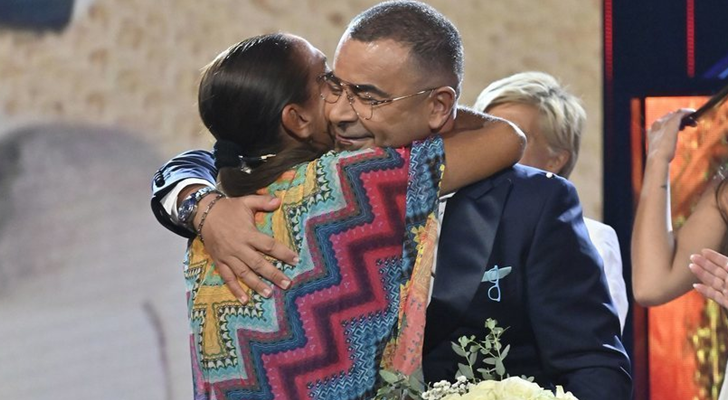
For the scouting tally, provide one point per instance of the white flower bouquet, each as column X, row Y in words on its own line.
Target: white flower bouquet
column 489, row 382
column 513, row 388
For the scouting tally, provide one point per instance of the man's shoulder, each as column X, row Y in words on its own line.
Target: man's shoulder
column 523, row 177
column 536, row 175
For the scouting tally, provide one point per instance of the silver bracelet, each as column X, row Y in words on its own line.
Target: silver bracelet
column 218, row 196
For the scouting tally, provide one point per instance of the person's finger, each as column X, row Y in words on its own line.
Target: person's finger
column 671, row 117
column 686, row 119
column 231, row 281
column 677, row 114
column 706, row 277
column 263, row 268
column 261, row 202
column 705, row 270
column 712, row 294
column 656, row 125
column 270, row 247
column 250, row 278
column 712, row 264
column 716, row 258
column 705, row 290
column 698, row 270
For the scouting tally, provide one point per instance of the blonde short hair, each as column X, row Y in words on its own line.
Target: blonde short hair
column 562, row 115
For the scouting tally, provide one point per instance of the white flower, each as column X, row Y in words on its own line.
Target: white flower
column 513, row 388
column 560, row 394
column 520, row 388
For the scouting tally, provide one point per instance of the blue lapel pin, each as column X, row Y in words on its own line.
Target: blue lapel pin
column 494, row 275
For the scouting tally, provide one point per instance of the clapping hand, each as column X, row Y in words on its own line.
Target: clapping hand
column 711, row 268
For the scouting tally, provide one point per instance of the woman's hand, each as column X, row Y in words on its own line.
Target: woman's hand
column 711, row 268
column 662, row 136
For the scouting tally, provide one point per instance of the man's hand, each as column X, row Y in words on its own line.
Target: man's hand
column 237, row 247
column 711, row 268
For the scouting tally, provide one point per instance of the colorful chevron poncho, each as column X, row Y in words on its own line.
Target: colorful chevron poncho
column 364, row 225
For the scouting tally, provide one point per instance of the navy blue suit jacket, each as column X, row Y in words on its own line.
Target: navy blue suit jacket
column 562, row 326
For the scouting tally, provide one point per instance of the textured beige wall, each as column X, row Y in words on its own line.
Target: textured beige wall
column 135, row 63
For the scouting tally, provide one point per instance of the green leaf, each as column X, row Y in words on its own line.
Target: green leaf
column 490, row 360
column 416, row 384
column 472, row 358
column 458, row 350
column 490, row 323
column 500, row 369
column 418, row 374
column 385, row 392
column 505, row 351
column 389, row 377
column 473, row 348
column 466, row 371
column 485, row 373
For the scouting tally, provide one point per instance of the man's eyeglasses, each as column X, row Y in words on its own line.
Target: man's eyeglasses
column 360, row 100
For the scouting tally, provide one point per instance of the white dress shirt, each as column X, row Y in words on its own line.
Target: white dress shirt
column 605, row 240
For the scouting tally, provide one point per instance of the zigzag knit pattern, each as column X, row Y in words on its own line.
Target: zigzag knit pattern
column 353, row 219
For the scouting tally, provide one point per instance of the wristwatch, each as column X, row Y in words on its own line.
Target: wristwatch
column 187, row 210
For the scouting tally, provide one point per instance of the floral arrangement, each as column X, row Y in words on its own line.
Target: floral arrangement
column 512, row 388
column 487, row 382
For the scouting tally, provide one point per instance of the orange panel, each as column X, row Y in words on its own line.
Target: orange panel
column 673, row 365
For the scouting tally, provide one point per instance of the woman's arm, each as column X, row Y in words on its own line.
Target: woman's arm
column 660, row 257
column 478, row 146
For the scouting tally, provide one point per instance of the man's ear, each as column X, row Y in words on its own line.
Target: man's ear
column 443, row 101
column 296, row 122
column 557, row 161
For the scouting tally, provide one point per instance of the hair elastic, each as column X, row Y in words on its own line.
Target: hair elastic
column 229, row 155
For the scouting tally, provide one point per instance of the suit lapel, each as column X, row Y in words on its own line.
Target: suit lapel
column 466, row 243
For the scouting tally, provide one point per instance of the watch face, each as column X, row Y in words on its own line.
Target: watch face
column 186, row 209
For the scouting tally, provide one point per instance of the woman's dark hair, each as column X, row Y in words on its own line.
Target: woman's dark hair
column 242, row 95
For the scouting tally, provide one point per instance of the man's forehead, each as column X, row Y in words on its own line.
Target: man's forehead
column 376, row 63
